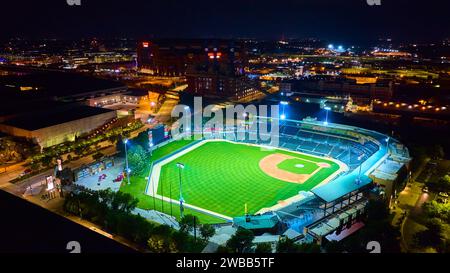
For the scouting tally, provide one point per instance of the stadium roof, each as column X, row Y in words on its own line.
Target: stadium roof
column 340, row 187
column 54, row 116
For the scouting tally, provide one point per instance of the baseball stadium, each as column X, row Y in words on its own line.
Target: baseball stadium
column 317, row 179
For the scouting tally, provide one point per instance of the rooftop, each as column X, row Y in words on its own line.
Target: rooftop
column 41, row 85
column 265, row 221
column 54, row 116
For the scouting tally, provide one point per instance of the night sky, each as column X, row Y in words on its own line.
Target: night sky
column 338, row 20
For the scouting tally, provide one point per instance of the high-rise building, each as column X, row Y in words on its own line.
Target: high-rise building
column 220, row 73
column 213, row 68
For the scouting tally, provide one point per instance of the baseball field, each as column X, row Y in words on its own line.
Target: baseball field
column 222, row 176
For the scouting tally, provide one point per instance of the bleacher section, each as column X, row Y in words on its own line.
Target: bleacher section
column 350, row 149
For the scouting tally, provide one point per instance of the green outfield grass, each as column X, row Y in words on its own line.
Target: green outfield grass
column 223, row 177
column 138, row 185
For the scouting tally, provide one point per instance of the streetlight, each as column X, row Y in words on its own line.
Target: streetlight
column 170, row 197
column 327, row 109
column 150, row 143
column 180, row 166
column 126, row 160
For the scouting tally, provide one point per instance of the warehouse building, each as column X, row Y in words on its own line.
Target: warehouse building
column 57, row 125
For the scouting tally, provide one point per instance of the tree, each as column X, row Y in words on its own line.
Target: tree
column 35, row 166
column 286, row 245
column 142, row 139
column 241, row 241
column 123, row 202
column 47, row 160
column 161, row 244
column 66, row 176
column 443, row 184
column 377, row 211
column 207, row 231
column 224, row 249
column 309, row 248
column 437, row 151
column 79, row 150
column 137, row 159
column 263, row 248
column 188, row 223
column 120, row 147
column 334, row 247
column 432, row 236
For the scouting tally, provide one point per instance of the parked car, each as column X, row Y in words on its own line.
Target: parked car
column 27, row 171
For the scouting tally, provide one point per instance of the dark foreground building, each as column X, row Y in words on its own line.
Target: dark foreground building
column 31, row 229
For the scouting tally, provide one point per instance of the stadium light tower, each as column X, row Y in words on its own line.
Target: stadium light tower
column 180, row 167
column 327, row 109
column 126, row 160
column 283, row 105
column 360, row 168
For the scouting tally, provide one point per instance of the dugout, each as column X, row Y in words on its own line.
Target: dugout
column 259, row 224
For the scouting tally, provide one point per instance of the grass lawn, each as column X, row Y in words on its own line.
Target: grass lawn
column 223, row 177
column 138, row 184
